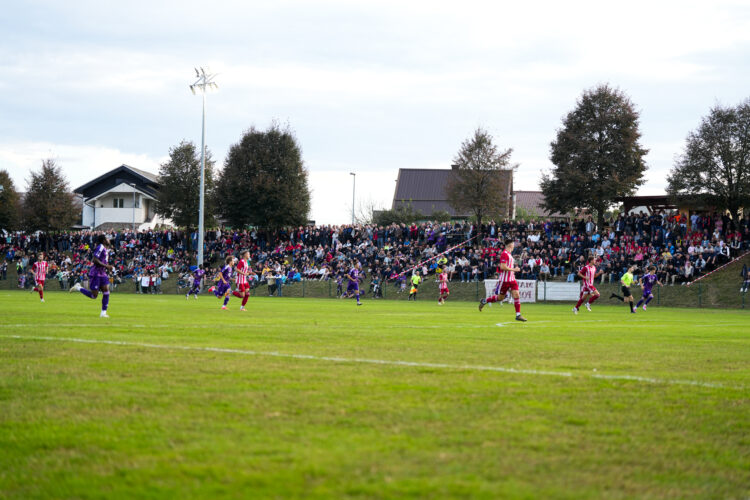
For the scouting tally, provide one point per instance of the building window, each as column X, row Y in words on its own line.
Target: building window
column 118, row 202
column 137, row 202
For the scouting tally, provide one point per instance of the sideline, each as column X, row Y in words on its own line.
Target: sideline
column 416, row 364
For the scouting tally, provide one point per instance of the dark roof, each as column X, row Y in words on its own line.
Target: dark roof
column 424, row 190
column 145, row 181
column 532, row 202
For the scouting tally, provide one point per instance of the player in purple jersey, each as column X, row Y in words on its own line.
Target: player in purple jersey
column 647, row 283
column 98, row 278
column 354, row 275
column 197, row 278
column 223, row 286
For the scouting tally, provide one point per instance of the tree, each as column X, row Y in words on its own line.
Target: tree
column 48, row 204
column 365, row 211
column 10, row 205
column 404, row 214
column 596, row 154
column 264, row 181
column 478, row 183
column 715, row 164
column 180, row 178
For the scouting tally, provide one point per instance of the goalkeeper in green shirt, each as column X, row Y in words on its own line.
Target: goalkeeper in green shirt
column 626, row 280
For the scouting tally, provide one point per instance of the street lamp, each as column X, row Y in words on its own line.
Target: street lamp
column 354, row 183
column 203, row 83
column 132, row 184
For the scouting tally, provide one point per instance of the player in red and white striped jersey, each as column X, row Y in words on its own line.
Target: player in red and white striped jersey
column 443, row 283
column 40, row 274
column 243, row 286
column 506, row 281
column 589, row 293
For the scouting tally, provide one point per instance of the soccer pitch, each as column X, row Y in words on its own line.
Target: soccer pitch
column 322, row 399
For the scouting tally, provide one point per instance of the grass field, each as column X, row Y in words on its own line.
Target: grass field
column 318, row 398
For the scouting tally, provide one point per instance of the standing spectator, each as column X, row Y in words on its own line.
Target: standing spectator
column 145, row 282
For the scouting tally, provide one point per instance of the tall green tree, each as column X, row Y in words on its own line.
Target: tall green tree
column 264, row 181
column 180, row 178
column 481, row 181
column 597, row 156
column 715, row 164
column 49, row 204
column 10, row 205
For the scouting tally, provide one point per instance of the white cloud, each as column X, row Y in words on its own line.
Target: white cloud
column 367, row 87
column 80, row 164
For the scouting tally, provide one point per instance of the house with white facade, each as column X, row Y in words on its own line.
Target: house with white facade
column 121, row 198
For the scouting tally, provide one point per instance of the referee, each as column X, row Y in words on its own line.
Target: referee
column 626, row 280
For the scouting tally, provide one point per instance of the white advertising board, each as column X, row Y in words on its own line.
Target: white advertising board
column 558, row 291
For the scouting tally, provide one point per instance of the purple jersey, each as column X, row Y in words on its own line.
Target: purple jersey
column 649, row 281
column 96, row 270
column 354, row 275
column 226, row 272
column 198, row 274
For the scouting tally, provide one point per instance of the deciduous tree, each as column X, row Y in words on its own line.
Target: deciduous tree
column 715, row 164
column 481, row 177
column 264, row 181
column 597, row 156
column 180, row 179
column 10, row 205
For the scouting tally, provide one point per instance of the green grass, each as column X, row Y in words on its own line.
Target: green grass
column 158, row 420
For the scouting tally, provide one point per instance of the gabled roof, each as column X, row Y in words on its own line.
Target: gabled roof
column 146, row 181
column 424, row 189
column 422, row 184
column 147, row 175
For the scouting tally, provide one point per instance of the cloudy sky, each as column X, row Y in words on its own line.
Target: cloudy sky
column 368, row 87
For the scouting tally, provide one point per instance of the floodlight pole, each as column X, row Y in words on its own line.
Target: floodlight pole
column 204, row 81
column 203, row 182
column 354, row 183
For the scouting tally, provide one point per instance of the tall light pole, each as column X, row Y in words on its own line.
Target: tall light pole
column 202, row 84
column 132, row 184
column 354, row 183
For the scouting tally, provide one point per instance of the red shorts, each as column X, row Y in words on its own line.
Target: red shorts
column 588, row 289
column 243, row 287
column 39, row 283
column 444, row 289
column 505, row 286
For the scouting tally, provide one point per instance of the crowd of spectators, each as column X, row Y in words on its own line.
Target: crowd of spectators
column 681, row 249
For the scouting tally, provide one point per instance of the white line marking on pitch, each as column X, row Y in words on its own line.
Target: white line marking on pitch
column 634, row 378
column 556, row 322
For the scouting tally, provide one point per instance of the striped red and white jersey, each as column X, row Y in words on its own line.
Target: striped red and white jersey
column 40, row 270
column 589, row 272
column 242, row 271
column 443, row 280
column 507, row 276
